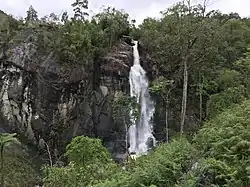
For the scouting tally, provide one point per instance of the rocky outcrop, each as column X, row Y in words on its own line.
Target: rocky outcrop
column 42, row 99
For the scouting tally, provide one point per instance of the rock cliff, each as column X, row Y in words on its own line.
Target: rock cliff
column 45, row 100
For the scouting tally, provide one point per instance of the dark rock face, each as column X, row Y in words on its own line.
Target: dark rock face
column 44, row 100
column 147, row 63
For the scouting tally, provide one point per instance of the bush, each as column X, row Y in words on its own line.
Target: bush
column 89, row 163
column 18, row 171
column 74, row 176
column 223, row 100
column 162, row 167
column 225, row 144
column 219, row 156
column 83, row 151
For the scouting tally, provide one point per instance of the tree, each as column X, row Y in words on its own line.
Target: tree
column 225, row 147
column 114, row 23
column 6, row 140
column 162, row 87
column 195, row 36
column 44, row 145
column 89, row 163
column 9, row 27
column 219, row 156
column 31, row 16
column 243, row 66
column 181, row 43
column 125, row 112
column 80, row 7
column 64, row 17
column 162, row 167
column 84, row 151
column 44, row 19
column 53, row 17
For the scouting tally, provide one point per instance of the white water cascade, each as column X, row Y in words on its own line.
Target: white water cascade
column 140, row 133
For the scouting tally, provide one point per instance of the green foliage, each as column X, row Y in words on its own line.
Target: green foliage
column 89, row 163
column 163, row 167
column 178, row 35
column 78, row 40
column 207, row 172
column 210, row 43
column 83, row 151
column 3, row 18
column 232, row 86
column 75, row 43
column 161, row 88
column 31, row 15
column 243, row 66
column 225, row 142
column 85, row 41
column 79, row 7
column 9, row 27
column 77, row 176
column 160, row 85
column 15, row 169
column 223, row 100
column 7, row 139
column 114, row 23
column 214, row 45
column 219, row 156
column 228, row 78
column 125, row 109
column 19, row 170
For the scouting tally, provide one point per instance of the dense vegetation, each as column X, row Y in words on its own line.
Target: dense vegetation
column 202, row 55
column 217, row 156
column 16, row 169
column 202, row 70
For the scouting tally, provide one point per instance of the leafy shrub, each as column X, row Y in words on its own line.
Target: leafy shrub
column 225, row 144
column 219, row 156
column 162, row 167
column 19, row 171
column 89, row 163
column 83, row 151
column 74, row 176
column 229, row 78
column 223, row 100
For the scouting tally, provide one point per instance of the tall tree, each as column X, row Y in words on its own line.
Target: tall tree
column 162, row 88
column 125, row 112
column 181, row 42
column 64, row 17
column 80, row 9
column 114, row 23
column 31, row 15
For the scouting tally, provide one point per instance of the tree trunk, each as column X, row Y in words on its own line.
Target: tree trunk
column 201, row 107
column 126, row 133
column 50, row 158
column 184, row 96
column 94, row 114
column 126, row 137
column 166, row 120
column 2, row 166
column 201, row 96
column 95, row 85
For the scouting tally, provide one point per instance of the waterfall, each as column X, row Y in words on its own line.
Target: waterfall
column 140, row 133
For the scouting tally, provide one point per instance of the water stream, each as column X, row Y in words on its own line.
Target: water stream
column 140, row 133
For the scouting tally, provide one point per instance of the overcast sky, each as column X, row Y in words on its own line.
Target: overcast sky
column 138, row 9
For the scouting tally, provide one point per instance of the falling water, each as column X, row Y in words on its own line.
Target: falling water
column 140, row 133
